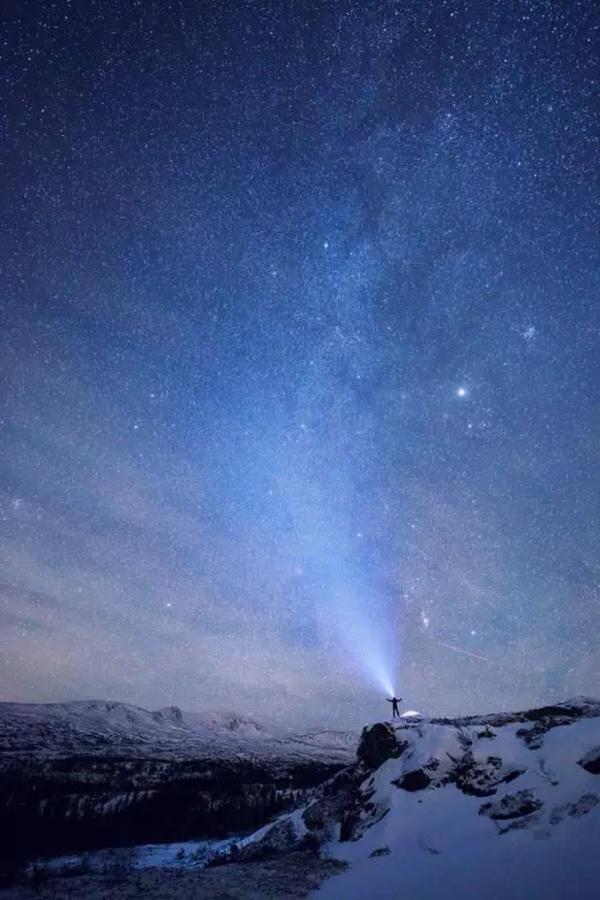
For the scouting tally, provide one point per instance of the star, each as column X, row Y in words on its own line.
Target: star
column 303, row 450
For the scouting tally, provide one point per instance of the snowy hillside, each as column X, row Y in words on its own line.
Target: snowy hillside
column 52, row 726
column 504, row 806
column 226, row 723
column 98, row 726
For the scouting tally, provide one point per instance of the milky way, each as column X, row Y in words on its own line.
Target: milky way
column 300, row 355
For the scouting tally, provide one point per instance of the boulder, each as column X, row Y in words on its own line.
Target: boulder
column 417, row 780
column 512, row 806
column 378, row 743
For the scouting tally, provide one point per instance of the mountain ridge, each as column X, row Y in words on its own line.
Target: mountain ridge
column 99, row 725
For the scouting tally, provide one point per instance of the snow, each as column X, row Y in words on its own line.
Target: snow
column 470, row 864
column 441, row 846
column 178, row 855
column 228, row 723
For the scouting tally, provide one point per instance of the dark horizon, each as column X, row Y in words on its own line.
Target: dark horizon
column 300, row 356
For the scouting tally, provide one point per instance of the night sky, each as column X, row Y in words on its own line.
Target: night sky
column 300, row 355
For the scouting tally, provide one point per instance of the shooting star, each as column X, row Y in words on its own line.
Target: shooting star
column 464, row 652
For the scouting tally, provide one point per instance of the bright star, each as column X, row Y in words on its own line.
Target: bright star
column 461, row 392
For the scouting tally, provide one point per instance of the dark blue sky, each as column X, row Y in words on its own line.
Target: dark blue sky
column 300, row 354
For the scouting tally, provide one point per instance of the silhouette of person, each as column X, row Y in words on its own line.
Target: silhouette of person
column 395, row 701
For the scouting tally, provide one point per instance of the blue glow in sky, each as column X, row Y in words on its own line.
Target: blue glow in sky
column 300, row 355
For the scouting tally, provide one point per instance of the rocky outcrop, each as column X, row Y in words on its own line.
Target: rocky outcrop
column 336, row 802
column 424, row 757
column 533, row 737
column 512, row 806
column 378, row 743
column 481, row 778
column 475, row 777
column 417, row 780
column 341, row 806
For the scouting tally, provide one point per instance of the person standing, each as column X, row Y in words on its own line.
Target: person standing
column 395, row 709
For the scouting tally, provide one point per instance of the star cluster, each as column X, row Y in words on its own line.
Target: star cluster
column 300, row 354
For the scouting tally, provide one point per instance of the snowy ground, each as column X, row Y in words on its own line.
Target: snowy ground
column 437, row 844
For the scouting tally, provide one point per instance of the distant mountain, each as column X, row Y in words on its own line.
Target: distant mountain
column 498, row 806
column 25, row 727
column 100, row 726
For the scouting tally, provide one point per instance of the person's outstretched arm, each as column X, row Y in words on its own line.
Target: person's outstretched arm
column 388, row 700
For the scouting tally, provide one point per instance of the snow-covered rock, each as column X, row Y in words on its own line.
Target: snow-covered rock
column 497, row 806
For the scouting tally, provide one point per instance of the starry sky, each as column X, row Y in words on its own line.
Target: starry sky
column 300, row 355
